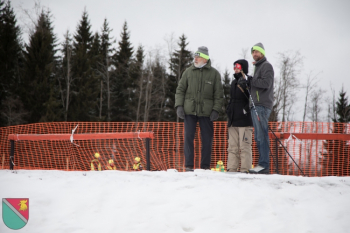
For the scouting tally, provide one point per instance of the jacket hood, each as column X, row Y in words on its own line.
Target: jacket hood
column 244, row 64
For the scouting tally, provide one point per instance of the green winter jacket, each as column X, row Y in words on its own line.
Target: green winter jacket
column 200, row 91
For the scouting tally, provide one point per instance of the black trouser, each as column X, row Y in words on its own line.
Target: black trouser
column 207, row 131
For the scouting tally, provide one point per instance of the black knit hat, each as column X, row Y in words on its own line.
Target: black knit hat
column 244, row 64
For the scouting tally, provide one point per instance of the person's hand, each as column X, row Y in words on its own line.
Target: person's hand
column 214, row 115
column 243, row 82
column 246, row 109
column 180, row 112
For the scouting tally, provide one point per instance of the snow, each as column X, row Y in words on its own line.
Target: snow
column 170, row 201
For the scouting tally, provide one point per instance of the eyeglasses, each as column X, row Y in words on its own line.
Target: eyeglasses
column 199, row 54
column 237, row 66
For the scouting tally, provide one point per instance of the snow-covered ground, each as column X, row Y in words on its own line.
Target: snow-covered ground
column 169, row 201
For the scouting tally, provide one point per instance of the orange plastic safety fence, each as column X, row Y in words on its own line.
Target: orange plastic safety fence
column 322, row 149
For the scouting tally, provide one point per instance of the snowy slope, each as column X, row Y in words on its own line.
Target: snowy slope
column 202, row 201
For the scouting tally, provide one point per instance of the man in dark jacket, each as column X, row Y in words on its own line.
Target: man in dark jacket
column 199, row 98
column 240, row 125
column 261, row 85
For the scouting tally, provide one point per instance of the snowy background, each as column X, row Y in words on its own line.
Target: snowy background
column 169, row 201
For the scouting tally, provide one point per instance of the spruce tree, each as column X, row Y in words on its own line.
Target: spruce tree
column 11, row 62
column 86, row 84
column 342, row 108
column 337, row 151
column 96, row 61
column 181, row 59
column 227, row 89
column 39, row 91
column 123, row 85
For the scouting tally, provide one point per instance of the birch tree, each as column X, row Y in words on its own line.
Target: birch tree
column 287, row 84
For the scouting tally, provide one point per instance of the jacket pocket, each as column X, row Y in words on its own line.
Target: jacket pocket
column 247, row 136
column 189, row 106
column 207, row 107
column 208, row 89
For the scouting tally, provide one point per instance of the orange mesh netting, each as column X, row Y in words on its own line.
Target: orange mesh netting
column 318, row 149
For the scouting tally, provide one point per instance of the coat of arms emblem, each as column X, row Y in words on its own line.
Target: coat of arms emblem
column 15, row 212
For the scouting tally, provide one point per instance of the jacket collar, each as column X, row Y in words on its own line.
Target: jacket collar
column 261, row 61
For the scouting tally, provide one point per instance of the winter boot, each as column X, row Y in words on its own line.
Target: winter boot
column 259, row 170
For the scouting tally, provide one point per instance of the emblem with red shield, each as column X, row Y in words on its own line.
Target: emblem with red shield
column 15, row 212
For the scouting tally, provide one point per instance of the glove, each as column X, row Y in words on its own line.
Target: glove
column 243, row 83
column 180, row 112
column 214, row 115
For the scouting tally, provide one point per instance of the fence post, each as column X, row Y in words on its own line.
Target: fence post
column 12, row 154
column 148, row 159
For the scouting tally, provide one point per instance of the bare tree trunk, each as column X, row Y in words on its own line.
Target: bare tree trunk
column 287, row 84
column 145, row 116
column 108, row 90
column 101, row 91
column 149, row 98
column 140, row 97
column 311, row 83
column 68, row 81
column 244, row 53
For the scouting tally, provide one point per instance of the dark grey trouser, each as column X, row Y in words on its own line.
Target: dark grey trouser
column 207, row 131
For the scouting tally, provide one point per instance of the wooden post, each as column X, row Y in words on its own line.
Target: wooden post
column 148, row 156
column 67, row 159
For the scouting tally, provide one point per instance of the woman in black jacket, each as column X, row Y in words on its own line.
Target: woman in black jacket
column 240, row 126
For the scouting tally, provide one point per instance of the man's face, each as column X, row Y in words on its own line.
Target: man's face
column 257, row 56
column 199, row 61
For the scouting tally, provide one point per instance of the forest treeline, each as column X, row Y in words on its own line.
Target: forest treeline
column 88, row 76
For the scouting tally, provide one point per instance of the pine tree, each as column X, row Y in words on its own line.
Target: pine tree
column 337, row 151
column 39, row 90
column 181, row 59
column 123, row 85
column 86, row 84
column 11, row 62
column 227, row 89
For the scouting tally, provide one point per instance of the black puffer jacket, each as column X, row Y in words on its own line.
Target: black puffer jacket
column 238, row 102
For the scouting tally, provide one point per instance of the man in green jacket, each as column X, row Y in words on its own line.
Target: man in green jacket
column 199, row 98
